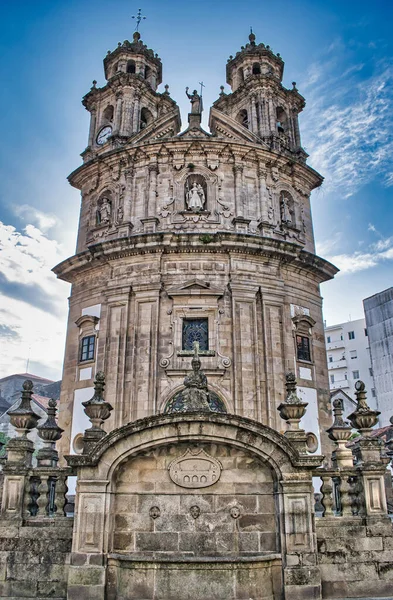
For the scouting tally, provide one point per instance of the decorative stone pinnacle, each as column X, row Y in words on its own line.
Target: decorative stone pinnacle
column 252, row 38
column 363, row 418
column 290, row 384
column 340, row 432
column 97, row 409
column 166, row 86
column 49, row 432
column 23, row 418
column 222, row 93
column 293, row 409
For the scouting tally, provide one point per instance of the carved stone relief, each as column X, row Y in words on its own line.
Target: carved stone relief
column 195, row 470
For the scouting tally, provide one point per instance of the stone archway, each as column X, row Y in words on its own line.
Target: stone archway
column 194, row 506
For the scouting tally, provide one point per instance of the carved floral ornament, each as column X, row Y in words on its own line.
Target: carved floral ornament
column 195, row 470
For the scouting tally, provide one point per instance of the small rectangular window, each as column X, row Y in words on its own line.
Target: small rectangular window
column 365, row 332
column 355, row 374
column 351, row 335
column 373, row 392
column 87, row 348
column 331, row 378
column 330, row 358
column 345, row 377
column 353, row 354
column 370, row 371
column 195, row 330
column 328, row 339
column 303, row 348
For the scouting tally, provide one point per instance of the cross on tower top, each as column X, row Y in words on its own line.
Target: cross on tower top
column 138, row 18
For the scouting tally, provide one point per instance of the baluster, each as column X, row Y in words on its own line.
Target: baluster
column 327, row 496
column 60, row 496
column 337, row 495
column 353, row 495
column 27, row 500
column 360, row 499
column 346, row 500
column 42, row 500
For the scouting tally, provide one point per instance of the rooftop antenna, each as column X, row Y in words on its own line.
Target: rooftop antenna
column 28, row 360
column 138, row 18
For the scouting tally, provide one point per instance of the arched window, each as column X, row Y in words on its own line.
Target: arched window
column 242, row 118
column 115, row 69
column 281, row 119
column 131, row 66
column 107, row 115
column 146, row 118
column 147, row 72
column 256, row 69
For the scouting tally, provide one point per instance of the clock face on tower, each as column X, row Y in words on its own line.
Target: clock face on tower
column 103, row 135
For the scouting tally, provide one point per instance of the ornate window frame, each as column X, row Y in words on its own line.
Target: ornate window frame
column 303, row 326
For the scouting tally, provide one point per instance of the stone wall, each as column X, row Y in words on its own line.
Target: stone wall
column 355, row 557
column 154, row 515
column 34, row 559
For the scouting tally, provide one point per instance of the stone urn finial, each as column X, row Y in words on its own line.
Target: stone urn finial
column 23, row 418
column 340, row 432
column 363, row 418
column 293, row 409
column 97, row 409
column 49, row 432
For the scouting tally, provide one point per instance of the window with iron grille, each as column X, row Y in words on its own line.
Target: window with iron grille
column 195, row 330
column 303, row 348
column 87, row 348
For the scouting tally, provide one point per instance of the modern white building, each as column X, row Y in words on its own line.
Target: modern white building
column 379, row 317
column 348, row 358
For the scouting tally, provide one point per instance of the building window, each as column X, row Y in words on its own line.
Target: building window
column 355, row 374
column 370, row 371
column 303, row 348
column 195, row 330
column 328, row 339
column 373, row 392
column 351, row 335
column 346, row 377
column 353, row 354
column 331, row 378
column 365, row 332
column 330, row 358
column 87, row 348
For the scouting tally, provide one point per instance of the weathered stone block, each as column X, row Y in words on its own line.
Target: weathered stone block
column 197, row 543
column 86, row 576
column 156, row 542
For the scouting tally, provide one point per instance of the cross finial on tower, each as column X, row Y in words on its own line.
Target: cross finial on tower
column 138, row 18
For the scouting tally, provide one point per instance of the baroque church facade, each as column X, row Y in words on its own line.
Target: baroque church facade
column 194, row 236
column 194, row 410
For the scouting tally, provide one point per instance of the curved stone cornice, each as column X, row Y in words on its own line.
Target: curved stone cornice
column 191, row 243
column 180, row 146
column 160, row 430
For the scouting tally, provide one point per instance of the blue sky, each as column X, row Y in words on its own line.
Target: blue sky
column 340, row 55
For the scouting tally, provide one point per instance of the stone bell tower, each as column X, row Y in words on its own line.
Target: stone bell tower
column 194, row 236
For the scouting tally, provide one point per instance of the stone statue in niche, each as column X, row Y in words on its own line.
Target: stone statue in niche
column 287, row 210
column 104, row 212
column 196, row 395
column 196, row 101
column 195, row 193
column 120, row 214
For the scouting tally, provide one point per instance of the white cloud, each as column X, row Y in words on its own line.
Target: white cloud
column 33, row 301
column 349, row 127
column 44, row 221
column 376, row 253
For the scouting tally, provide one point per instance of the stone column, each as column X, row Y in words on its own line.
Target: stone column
column 295, row 120
column 264, row 116
column 253, row 116
column 153, row 172
column 263, row 196
column 127, row 116
column 136, row 115
column 93, row 120
column 238, row 174
column 118, row 111
column 128, row 195
column 272, row 117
